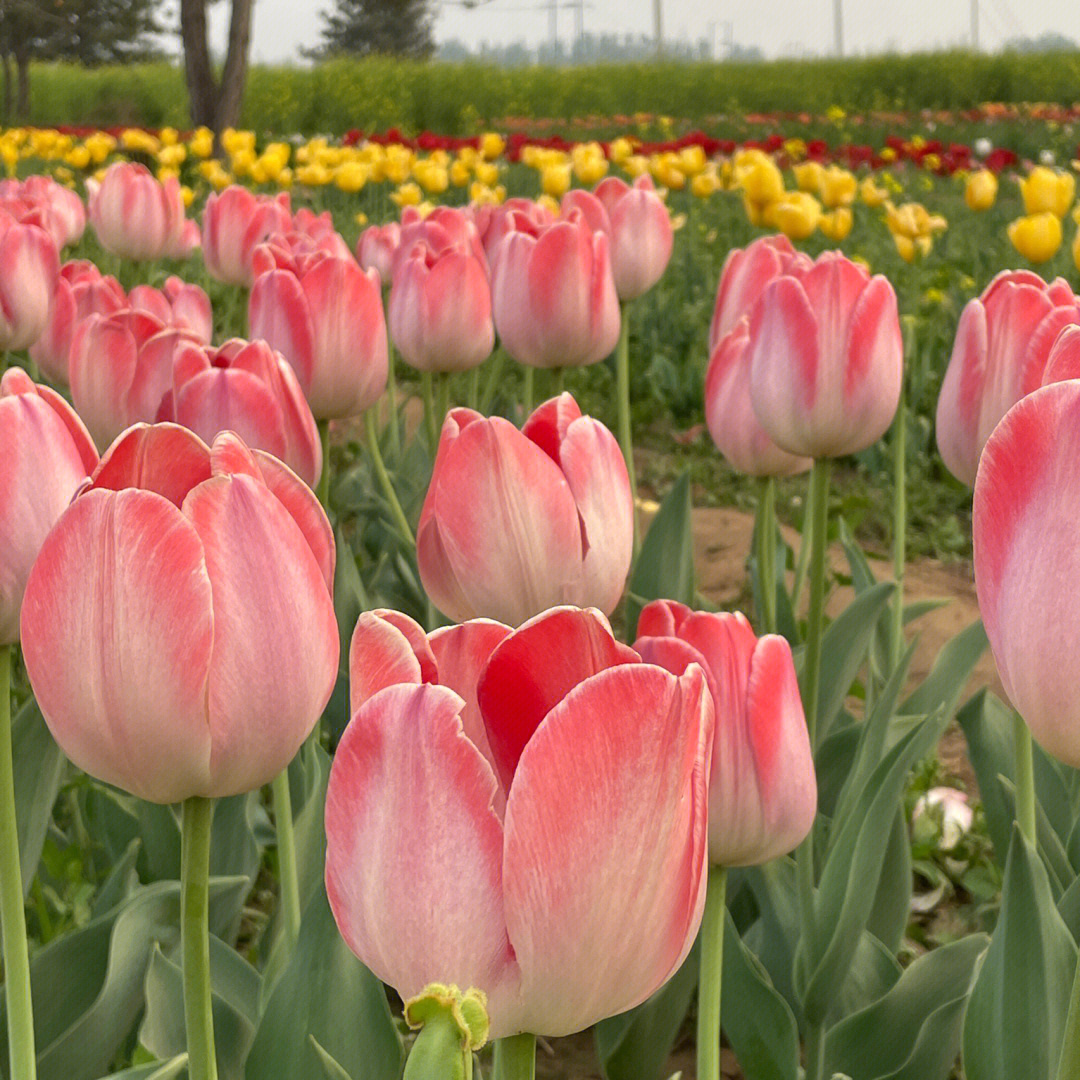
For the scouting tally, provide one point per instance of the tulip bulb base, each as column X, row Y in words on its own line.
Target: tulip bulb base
column 20, row 1018
column 195, row 935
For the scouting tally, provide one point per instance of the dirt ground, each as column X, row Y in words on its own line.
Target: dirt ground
column 721, row 541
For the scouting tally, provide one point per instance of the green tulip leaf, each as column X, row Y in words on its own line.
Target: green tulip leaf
column 38, row 769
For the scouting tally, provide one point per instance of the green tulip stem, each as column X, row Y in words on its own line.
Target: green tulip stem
column 195, row 935
column 899, row 442
column 622, row 390
column 515, row 1055
column 560, row 381
column 286, row 848
column 1069, row 1065
column 710, row 978
column 391, row 404
column 802, row 563
column 400, row 520
column 429, row 411
column 474, row 389
column 527, row 393
column 444, row 378
column 323, row 490
column 766, row 553
column 1025, row 778
column 492, row 382
column 815, row 1052
column 20, row 1012
column 819, row 500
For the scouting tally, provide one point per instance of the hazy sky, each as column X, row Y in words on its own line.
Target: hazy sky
column 778, row 27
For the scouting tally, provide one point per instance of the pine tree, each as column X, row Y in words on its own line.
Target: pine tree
column 380, row 27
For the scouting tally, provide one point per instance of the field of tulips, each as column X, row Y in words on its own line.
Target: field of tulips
column 361, row 714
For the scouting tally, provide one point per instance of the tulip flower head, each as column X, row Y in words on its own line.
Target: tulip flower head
column 235, row 222
column 135, row 216
column 522, row 812
column 518, row 521
column 45, row 454
column 163, row 620
column 1037, row 236
column 29, row 267
column 826, row 358
column 640, row 231
column 763, row 791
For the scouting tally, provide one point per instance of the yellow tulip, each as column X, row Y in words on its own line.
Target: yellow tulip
column 797, row 214
column 78, row 157
column 636, row 165
column 981, row 190
column 172, row 155
column 487, row 173
column 187, row 195
column 139, row 140
column 1037, row 236
column 433, row 177
column 692, row 160
column 1047, row 191
column 201, row 142
column 1076, row 249
column 555, row 180
column 757, row 174
column 316, row 175
column 351, row 176
column 808, row 175
column 836, row 224
column 912, row 246
column 492, row 145
column 549, row 203
column 760, row 215
column 620, row 149
column 459, row 173
column 705, row 184
column 408, row 194
column 482, row 194
column 838, row 187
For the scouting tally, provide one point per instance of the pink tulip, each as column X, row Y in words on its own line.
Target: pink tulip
column 235, row 222
column 518, row 521
column 1063, row 361
column 29, row 267
column 247, row 388
column 178, row 628
column 40, row 200
column 376, row 248
column 641, row 234
column 446, row 227
column 121, row 367
column 81, row 290
column 45, row 454
column 730, row 414
column 1002, row 345
column 826, row 358
column 763, row 791
column 746, row 273
column 553, row 295
column 440, row 310
column 1027, row 498
column 512, row 216
column 189, row 240
column 325, row 316
column 177, row 303
column 136, row 217
column 590, row 209
column 562, row 870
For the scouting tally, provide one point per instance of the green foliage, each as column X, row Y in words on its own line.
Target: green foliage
column 377, row 28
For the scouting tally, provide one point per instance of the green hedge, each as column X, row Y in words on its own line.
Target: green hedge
column 461, row 98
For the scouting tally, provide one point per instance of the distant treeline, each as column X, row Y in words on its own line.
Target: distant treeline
column 459, row 98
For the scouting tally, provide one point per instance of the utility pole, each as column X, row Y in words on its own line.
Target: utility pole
column 975, row 25
column 838, row 26
column 658, row 26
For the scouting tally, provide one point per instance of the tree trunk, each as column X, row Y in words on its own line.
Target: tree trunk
column 234, row 76
column 202, row 87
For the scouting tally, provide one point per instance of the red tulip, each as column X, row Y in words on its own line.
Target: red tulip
column 440, row 310
column 1002, row 345
column 136, row 217
column 1026, row 503
column 29, row 267
column 235, row 222
column 763, row 792
column 826, row 358
column 744, row 277
column 121, row 367
column 178, row 628
column 247, row 388
column 541, row 838
column 325, row 316
column 80, row 290
column 730, row 414
column 518, row 521
column 376, row 248
column 45, row 453
column 553, row 295
column 641, row 234
column 177, row 303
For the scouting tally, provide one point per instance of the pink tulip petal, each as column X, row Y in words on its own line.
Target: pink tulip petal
column 605, row 834
column 146, row 609
column 164, row 458
column 414, row 850
column 661, row 618
column 380, row 655
column 532, row 670
column 276, row 645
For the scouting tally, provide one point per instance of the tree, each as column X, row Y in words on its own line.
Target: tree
column 87, row 32
column 377, row 27
column 215, row 104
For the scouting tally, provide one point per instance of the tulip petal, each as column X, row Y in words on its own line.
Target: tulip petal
column 97, row 644
column 164, row 458
column 605, row 834
column 380, row 655
column 532, row 670
column 414, row 850
column 276, row 644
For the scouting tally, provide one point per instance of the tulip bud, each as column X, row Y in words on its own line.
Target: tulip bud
column 981, row 190
column 1047, row 191
column 796, row 214
column 136, row 217
column 641, row 234
column 1037, row 237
